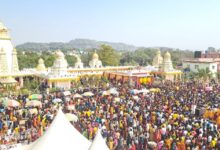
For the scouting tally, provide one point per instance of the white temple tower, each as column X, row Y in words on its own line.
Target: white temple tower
column 60, row 64
column 15, row 68
column 167, row 63
column 8, row 60
column 78, row 63
column 158, row 60
column 3, row 62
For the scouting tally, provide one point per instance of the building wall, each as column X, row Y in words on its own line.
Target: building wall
column 193, row 66
column 211, row 55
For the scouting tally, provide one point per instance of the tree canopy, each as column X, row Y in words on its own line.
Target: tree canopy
column 108, row 56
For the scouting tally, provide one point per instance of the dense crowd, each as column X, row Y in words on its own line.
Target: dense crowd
column 179, row 116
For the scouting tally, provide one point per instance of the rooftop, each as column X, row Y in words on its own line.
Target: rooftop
column 202, row 60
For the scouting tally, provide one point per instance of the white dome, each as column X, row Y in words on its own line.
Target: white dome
column 2, row 26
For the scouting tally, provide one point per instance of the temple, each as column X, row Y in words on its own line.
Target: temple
column 8, row 57
column 60, row 65
column 167, row 63
column 60, row 75
column 157, row 60
column 163, row 66
column 95, row 62
column 8, row 54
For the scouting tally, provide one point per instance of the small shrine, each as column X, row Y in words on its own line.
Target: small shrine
column 95, row 62
column 60, row 64
column 78, row 63
column 41, row 66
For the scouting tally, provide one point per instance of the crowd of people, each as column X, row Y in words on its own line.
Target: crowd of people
column 180, row 116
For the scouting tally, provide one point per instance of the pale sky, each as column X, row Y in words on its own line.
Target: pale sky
column 185, row 24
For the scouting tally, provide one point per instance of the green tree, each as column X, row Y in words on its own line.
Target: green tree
column 127, row 58
column 27, row 60
column 48, row 58
column 108, row 56
column 71, row 60
column 204, row 74
column 85, row 57
column 141, row 57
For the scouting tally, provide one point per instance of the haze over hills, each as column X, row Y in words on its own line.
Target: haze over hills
column 73, row 44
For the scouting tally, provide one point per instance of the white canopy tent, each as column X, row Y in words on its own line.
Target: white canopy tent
column 22, row 147
column 61, row 135
column 98, row 143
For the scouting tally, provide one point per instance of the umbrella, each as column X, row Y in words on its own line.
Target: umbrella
column 11, row 103
column 208, row 88
column 35, row 96
column 113, row 91
column 71, row 107
column 3, row 99
column 57, row 100
column 117, row 99
column 144, row 91
column 154, row 90
column 134, row 91
column 105, row 93
column 88, row 94
column 66, row 93
column 33, row 111
column 152, row 144
column 135, row 97
column 71, row 117
column 77, row 95
column 34, row 103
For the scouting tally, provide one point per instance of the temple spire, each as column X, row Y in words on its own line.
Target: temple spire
column 158, row 60
column 15, row 67
column 3, row 32
column 3, row 62
column 167, row 63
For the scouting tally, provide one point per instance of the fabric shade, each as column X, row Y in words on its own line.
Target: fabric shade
column 61, row 135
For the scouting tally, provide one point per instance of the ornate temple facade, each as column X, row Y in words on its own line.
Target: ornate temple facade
column 8, row 54
column 8, row 57
column 60, row 75
column 60, row 64
column 164, row 66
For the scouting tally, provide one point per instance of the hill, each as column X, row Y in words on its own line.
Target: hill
column 73, row 44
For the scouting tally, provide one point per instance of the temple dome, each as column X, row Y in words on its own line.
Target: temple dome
column 60, row 64
column 95, row 62
column 158, row 52
column 40, row 61
column 41, row 66
column 167, row 63
column 78, row 63
column 2, row 26
column 95, row 56
column 59, row 54
column 167, row 55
